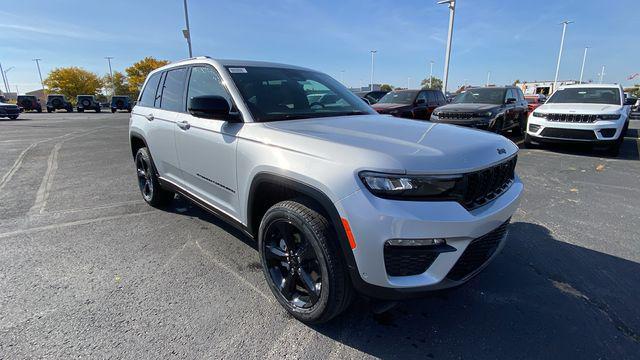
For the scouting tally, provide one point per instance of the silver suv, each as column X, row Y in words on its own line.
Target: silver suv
column 340, row 199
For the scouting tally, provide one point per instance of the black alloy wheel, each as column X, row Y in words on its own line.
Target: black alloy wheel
column 145, row 182
column 292, row 264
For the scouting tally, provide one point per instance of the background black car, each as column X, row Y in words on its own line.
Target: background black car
column 9, row 110
column 87, row 102
column 372, row 97
column 56, row 101
column 120, row 103
column 491, row 108
column 29, row 103
column 412, row 104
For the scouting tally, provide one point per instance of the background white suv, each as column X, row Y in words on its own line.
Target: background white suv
column 339, row 197
column 587, row 113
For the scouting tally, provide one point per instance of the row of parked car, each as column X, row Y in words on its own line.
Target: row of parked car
column 83, row 102
column 596, row 114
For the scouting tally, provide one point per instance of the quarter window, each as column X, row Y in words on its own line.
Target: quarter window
column 173, row 90
column 431, row 97
column 149, row 92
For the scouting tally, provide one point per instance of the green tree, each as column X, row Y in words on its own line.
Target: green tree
column 386, row 87
column 119, row 85
column 138, row 72
column 72, row 81
column 435, row 83
column 516, row 82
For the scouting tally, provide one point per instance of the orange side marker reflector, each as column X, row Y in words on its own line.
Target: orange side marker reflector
column 347, row 229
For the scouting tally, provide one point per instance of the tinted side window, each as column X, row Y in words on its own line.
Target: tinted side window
column 431, row 97
column 441, row 98
column 511, row 94
column 422, row 95
column 149, row 92
column 520, row 94
column 173, row 90
column 205, row 80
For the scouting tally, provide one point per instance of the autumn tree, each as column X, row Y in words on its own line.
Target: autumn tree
column 138, row 72
column 119, row 85
column 435, row 83
column 72, row 81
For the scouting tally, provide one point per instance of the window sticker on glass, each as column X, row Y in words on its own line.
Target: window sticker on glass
column 238, row 70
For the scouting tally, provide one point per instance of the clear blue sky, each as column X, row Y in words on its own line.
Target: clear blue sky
column 512, row 39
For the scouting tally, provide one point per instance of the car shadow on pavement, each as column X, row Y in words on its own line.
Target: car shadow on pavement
column 541, row 298
column 628, row 151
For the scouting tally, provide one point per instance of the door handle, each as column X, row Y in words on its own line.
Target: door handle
column 184, row 125
column 149, row 117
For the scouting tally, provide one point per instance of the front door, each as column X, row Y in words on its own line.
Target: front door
column 207, row 147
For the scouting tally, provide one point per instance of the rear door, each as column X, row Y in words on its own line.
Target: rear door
column 207, row 147
column 432, row 102
column 160, row 127
column 420, row 106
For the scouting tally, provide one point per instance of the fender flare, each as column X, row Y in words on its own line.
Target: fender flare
column 317, row 195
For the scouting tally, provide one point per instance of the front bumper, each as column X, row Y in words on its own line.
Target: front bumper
column 542, row 130
column 374, row 220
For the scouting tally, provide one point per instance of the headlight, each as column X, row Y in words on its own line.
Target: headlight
column 609, row 117
column 539, row 114
column 435, row 113
column 435, row 187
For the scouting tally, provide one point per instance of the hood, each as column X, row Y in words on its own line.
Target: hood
column 580, row 108
column 388, row 106
column 382, row 143
column 467, row 107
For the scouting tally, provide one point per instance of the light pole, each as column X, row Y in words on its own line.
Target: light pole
column 584, row 59
column 373, row 52
column 187, row 32
column 488, row 76
column 408, row 82
column 39, row 73
column 564, row 30
column 431, row 75
column 601, row 74
column 113, row 85
column 4, row 80
column 452, row 13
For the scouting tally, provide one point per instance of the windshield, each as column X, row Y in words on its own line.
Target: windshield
column 399, row 97
column 481, row 96
column 284, row 94
column 586, row 96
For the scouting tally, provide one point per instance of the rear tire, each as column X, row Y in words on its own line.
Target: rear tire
column 98, row 110
column 522, row 125
column 302, row 263
column 13, row 117
column 113, row 111
column 39, row 110
column 49, row 110
column 152, row 193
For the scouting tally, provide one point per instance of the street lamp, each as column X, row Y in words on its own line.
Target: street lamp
column 431, row 75
column 6, row 79
column 39, row 73
column 113, row 85
column 601, row 74
column 564, row 30
column 187, row 32
column 488, row 76
column 452, row 13
column 584, row 59
column 408, row 83
column 373, row 52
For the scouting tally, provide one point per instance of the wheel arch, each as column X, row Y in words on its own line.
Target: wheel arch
column 256, row 206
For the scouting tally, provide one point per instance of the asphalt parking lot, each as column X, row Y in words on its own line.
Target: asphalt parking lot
column 88, row 269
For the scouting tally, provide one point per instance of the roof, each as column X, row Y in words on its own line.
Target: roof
column 232, row 62
column 592, row 85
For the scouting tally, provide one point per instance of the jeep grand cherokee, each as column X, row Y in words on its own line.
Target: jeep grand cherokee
column 339, row 198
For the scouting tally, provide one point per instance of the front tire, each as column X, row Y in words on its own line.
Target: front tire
column 302, row 263
column 150, row 188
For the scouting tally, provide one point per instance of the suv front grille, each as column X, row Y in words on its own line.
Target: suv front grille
column 456, row 115
column 478, row 253
column 486, row 185
column 569, row 134
column 406, row 261
column 572, row 118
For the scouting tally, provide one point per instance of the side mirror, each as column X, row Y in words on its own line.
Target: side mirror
column 420, row 101
column 212, row 107
column 510, row 101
